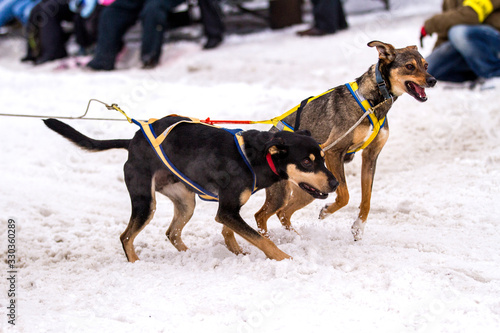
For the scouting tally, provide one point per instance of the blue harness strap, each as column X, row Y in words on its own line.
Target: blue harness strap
column 283, row 126
column 240, row 144
column 156, row 140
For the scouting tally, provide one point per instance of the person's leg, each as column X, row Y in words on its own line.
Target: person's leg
column 479, row 45
column 154, row 23
column 52, row 37
column 211, row 18
column 32, row 36
column 329, row 18
column 447, row 64
column 114, row 22
column 86, row 29
column 329, row 15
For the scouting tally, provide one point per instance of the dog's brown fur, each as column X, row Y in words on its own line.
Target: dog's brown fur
column 331, row 115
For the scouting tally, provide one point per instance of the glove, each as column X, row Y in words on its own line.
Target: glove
column 423, row 33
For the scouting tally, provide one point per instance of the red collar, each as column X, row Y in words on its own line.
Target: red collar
column 271, row 163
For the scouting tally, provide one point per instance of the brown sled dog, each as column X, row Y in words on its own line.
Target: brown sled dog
column 331, row 115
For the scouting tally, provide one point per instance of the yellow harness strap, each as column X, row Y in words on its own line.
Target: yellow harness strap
column 366, row 106
column 156, row 141
column 282, row 126
column 363, row 103
column 276, row 121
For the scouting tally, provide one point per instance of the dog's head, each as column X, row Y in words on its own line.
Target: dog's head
column 404, row 70
column 298, row 158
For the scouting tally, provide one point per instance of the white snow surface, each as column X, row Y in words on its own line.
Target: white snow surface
column 430, row 257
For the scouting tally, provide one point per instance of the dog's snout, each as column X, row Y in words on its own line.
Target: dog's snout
column 333, row 183
column 431, row 81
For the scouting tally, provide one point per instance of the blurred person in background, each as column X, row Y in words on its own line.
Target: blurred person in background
column 123, row 14
column 46, row 36
column 468, row 42
column 329, row 18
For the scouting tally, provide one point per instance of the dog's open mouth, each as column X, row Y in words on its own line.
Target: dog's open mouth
column 312, row 191
column 416, row 91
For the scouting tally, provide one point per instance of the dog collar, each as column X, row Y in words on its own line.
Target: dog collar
column 381, row 83
column 269, row 159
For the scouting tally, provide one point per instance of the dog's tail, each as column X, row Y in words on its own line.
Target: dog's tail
column 81, row 140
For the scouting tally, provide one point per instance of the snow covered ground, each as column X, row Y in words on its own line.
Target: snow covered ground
column 429, row 260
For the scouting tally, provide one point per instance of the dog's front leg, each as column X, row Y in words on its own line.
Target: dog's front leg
column 229, row 216
column 369, row 156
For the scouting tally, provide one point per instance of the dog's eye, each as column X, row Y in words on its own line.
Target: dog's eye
column 307, row 163
column 410, row 67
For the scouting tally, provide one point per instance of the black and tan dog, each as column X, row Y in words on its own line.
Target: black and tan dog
column 331, row 115
column 209, row 157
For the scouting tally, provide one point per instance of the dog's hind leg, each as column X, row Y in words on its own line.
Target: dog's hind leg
column 184, row 203
column 142, row 196
column 138, row 221
column 277, row 196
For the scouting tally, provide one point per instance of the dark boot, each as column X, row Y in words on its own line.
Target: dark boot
column 213, row 26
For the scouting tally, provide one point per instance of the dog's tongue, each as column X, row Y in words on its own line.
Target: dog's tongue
column 420, row 91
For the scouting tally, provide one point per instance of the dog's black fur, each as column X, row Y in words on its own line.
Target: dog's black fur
column 209, row 157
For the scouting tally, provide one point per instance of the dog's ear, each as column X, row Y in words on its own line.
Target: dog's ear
column 412, row 47
column 386, row 52
column 276, row 146
column 304, row 132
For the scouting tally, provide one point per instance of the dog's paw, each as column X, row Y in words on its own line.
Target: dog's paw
column 323, row 213
column 282, row 256
column 357, row 229
column 295, row 231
